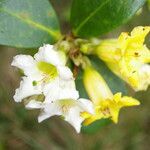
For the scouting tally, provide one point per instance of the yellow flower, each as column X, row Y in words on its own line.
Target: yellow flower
column 105, row 103
column 128, row 57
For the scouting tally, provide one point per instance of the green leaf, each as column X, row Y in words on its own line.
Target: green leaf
column 95, row 126
column 80, row 86
column 94, row 17
column 27, row 23
column 115, row 84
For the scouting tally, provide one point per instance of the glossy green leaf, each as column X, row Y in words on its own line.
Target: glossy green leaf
column 115, row 84
column 94, row 17
column 27, row 23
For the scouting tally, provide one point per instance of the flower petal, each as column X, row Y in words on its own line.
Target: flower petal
column 65, row 73
column 25, row 63
column 49, row 110
column 114, row 114
column 33, row 104
column 60, row 89
column 48, row 54
column 144, row 75
column 26, row 89
column 139, row 33
column 43, row 116
column 73, row 117
column 87, row 105
column 129, row 101
column 51, row 90
column 68, row 90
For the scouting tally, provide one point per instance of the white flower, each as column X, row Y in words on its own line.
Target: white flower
column 144, row 76
column 49, row 85
column 46, row 74
column 70, row 109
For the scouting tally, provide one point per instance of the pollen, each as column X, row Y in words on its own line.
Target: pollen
column 49, row 71
column 106, row 111
column 65, row 108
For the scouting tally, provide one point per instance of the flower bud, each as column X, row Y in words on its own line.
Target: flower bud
column 95, row 85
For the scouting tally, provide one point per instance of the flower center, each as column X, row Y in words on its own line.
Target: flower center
column 66, row 104
column 105, row 111
column 49, row 71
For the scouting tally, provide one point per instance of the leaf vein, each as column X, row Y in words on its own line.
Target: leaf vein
column 90, row 16
column 55, row 34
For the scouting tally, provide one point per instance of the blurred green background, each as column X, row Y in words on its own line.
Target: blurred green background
column 19, row 128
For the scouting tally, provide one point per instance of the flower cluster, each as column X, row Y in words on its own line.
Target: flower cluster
column 128, row 57
column 48, row 83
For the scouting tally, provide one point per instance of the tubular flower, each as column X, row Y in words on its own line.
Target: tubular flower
column 45, row 74
column 69, row 109
column 128, row 57
column 106, row 104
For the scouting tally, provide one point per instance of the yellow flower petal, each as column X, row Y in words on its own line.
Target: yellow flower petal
column 122, row 41
column 129, row 101
column 127, row 56
column 110, row 108
column 138, row 34
column 106, row 104
column 117, row 97
column 90, row 120
column 115, row 114
column 108, row 50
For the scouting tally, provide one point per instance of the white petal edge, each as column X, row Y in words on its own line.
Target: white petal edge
column 51, row 90
column 33, row 104
column 65, row 72
column 48, row 54
column 68, row 90
column 26, row 89
column 73, row 117
column 86, row 105
column 144, row 74
column 49, row 110
column 25, row 63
